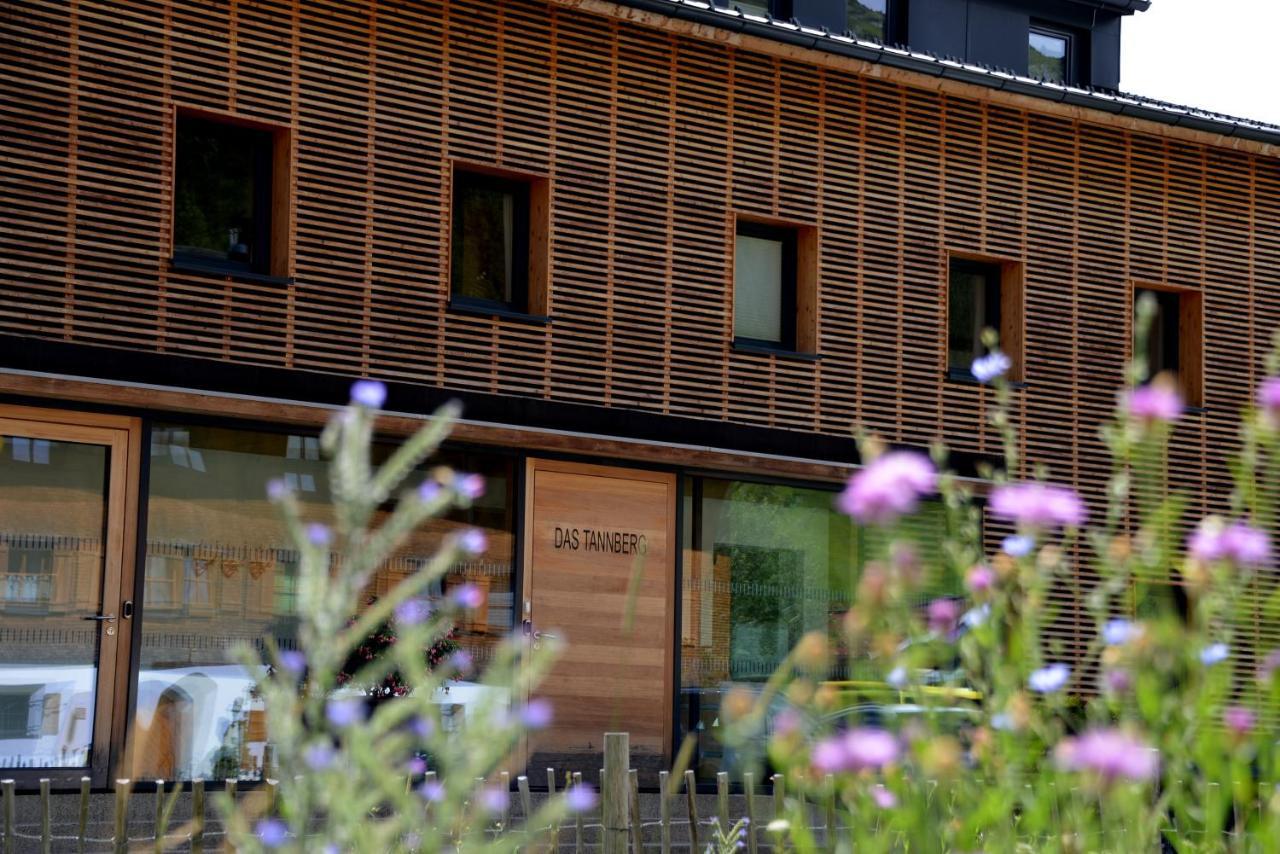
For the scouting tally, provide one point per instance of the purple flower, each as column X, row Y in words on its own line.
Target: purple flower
column 980, row 578
column 428, row 491
column 468, row 596
column 884, row 798
column 580, row 798
column 1017, row 546
column 432, row 791
column 1118, row 632
column 856, row 750
column 1049, row 679
column 1002, row 721
column 494, row 800
column 943, row 614
column 987, row 368
column 1238, row 542
column 1214, row 653
column 469, row 486
column 537, row 714
column 1239, row 720
column 293, row 661
column 318, row 535
column 461, row 661
column 1270, row 664
column 411, row 612
column 345, row 712
column 272, row 832
column 277, row 489
column 369, row 393
column 319, row 756
column 889, row 487
column 897, row 677
column 422, row 727
column 1038, row 505
column 786, row 722
column 1119, row 681
column 415, row 766
column 1269, row 396
column 473, row 541
column 1109, row 753
column 1157, row 401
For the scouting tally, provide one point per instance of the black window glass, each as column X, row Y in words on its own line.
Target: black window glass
column 1048, row 55
column 764, row 286
column 867, row 19
column 490, row 240
column 1162, row 340
column 222, row 199
column 973, row 304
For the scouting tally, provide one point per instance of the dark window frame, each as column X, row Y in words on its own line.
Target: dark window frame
column 1072, row 66
column 789, row 237
column 466, row 179
column 895, row 19
column 992, row 273
column 264, row 180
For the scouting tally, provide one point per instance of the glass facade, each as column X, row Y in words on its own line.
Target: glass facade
column 763, row 565
column 220, row 571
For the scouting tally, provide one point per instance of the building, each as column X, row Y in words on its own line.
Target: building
column 668, row 254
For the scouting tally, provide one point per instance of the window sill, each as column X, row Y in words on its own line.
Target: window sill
column 486, row 310
column 964, row 377
column 186, row 265
column 765, row 350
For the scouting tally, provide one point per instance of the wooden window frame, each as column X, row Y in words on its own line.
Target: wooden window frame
column 1012, row 272
column 1190, row 373
column 275, row 196
column 800, row 284
column 537, row 233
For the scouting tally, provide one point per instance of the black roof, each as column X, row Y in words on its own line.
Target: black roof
column 1120, row 103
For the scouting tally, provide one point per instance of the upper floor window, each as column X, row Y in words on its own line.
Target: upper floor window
column 981, row 295
column 764, row 286
column 867, row 19
column 490, row 240
column 224, row 183
column 1174, row 341
column 1050, row 55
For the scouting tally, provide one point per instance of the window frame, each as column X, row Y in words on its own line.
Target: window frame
column 1010, row 302
column 1071, row 66
column 894, row 23
column 787, row 315
column 465, row 180
column 272, row 195
column 1189, row 336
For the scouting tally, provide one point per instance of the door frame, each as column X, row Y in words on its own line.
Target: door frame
column 670, row 479
column 121, row 435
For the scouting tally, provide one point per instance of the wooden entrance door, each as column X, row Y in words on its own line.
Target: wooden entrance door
column 599, row 573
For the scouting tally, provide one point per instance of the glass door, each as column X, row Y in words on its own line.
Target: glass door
column 62, row 490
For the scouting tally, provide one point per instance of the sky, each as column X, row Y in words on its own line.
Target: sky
column 1215, row 54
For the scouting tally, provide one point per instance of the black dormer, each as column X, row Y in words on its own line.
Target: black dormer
column 1068, row 41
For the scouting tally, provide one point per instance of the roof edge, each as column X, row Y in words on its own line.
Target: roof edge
column 1124, row 7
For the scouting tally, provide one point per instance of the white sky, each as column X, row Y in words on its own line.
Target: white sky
column 1215, row 54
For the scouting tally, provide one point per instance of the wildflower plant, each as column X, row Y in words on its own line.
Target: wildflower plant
column 363, row 759
column 1154, row 734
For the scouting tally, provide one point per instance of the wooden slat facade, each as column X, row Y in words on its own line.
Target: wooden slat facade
column 652, row 138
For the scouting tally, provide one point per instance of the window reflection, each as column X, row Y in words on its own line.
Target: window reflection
column 220, row 570
column 1047, row 57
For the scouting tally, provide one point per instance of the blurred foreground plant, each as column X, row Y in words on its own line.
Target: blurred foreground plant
column 1150, row 734
column 374, row 769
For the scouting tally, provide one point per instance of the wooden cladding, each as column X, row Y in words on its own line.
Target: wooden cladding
column 651, row 135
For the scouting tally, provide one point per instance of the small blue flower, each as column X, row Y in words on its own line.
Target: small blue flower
column 494, row 800
column 319, row 756
column 272, row 832
column 369, row 393
column 580, row 798
column 461, row 661
column 422, row 727
column 468, row 596
column 318, row 535
column 277, row 489
column 428, row 491
column 473, row 541
column 1049, row 679
column 536, row 715
column 989, row 367
column 1214, row 653
column 1017, row 546
column 469, row 486
column 293, row 661
column 1001, row 721
column 432, row 791
column 411, row 612
column 345, row 712
column 897, row 677
column 1118, row 632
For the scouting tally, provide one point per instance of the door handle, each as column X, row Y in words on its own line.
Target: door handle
column 541, row 635
column 101, row 618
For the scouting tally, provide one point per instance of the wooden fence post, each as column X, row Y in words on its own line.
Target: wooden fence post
column 691, row 792
column 722, row 800
column 749, row 792
column 633, row 800
column 121, row 836
column 577, row 816
column 46, row 820
column 613, row 797
column 83, row 826
column 779, row 797
column 197, row 817
column 664, row 809
column 10, row 818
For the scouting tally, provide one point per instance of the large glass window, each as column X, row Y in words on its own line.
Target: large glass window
column 1049, row 55
column 868, row 19
column 764, row 564
column 222, row 195
column 220, row 570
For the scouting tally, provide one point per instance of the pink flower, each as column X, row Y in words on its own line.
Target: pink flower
column 1239, row 720
column 943, row 614
column 1109, row 753
column 889, row 487
column 856, row 750
column 1269, row 397
column 1270, row 664
column 1038, row 505
column 1157, row 401
column 1238, row 542
column 884, row 798
column 1119, row 681
column 980, row 578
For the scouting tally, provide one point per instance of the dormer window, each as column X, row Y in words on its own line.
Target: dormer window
column 868, row 19
column 1049, row 55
